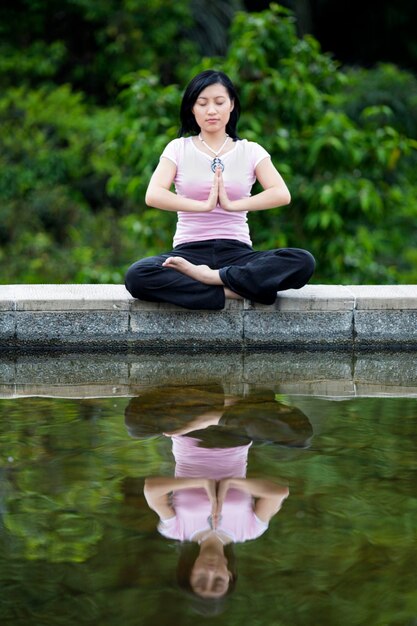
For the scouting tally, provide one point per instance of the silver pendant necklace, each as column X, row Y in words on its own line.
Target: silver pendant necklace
column 216, row 162
column 214, row 532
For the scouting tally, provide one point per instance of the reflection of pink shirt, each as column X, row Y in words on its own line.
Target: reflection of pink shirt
column 194, row 178
column 192, row 506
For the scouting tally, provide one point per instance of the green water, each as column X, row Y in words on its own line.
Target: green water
column 79, row 545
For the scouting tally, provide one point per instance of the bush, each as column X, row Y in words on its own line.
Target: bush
column 74, row 175
column 350, row 178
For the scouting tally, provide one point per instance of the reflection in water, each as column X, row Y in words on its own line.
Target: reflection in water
column 210, row 504
column 78, row 542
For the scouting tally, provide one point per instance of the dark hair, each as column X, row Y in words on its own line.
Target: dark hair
column 191, row 93
column 165, row 409
column 189, row 551
column 262, row 418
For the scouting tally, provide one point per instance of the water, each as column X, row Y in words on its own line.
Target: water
column 79, row 543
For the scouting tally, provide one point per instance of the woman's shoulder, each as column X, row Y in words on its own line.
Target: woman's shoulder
column 180, row 142
column 253, row 146
column 168, row 527
column 174, row 144
column 175, row 149
column 253, row 151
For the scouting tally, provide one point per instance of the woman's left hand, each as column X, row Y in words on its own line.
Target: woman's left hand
column 224, row 201
column 222, row 489
column 211, row 489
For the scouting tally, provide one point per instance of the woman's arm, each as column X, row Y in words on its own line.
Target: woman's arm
column 268, row 495
column 209, row 418
column 158, row 194
column 158, row 488
column 275, row 192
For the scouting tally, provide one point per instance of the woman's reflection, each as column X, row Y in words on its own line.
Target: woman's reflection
column 210, row 504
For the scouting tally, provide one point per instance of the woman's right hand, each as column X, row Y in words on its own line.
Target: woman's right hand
column 222, row 489
column 211, row 489
column 213, row 199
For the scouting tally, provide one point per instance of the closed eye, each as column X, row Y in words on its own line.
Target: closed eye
column 219, row 584
column 200, row 584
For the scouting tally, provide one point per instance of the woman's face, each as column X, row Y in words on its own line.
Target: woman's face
column 210, row 577
column 212, row 108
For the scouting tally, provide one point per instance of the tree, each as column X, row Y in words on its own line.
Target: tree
column 76, row 173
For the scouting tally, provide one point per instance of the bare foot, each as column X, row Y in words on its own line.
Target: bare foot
column 202, row 273
column 232, row 294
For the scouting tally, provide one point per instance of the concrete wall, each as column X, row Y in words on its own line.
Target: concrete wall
column 103, row 317
column 327, row 374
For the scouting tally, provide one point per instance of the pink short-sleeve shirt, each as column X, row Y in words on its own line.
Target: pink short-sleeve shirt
column 192, row 507
column 194, row 178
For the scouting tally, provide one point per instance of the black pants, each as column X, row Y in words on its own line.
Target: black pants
column 253, row 275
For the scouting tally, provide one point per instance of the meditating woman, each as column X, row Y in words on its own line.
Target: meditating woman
column 209, row 505
column 213, row 172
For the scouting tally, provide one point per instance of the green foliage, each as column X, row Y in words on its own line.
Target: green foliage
column 74, row 174
column 52, row 198
column 93, row 44
column 212, row 19
column 385, row 86
column 41, row 61
column 56, row 513
column 351, row 180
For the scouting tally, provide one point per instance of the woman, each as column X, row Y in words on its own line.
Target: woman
column 211, row 504
column 213, row 172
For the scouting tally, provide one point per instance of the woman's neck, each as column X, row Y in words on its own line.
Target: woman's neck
column 212, row 539
column 212, row 544
column 215, row 140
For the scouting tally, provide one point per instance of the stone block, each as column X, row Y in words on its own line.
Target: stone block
column 81, row 328
column 7, row 392
column 142, row 305
column 384, row 328
column 72, row 391
column 287, row 366
column 385, row 297
column 311, row 298
column 331, row 389
column 72, row 369
column 6, row 302
column 7, row 371
column 7, row 328
column 366, row 390
column 182, row 328
column 177, row 368
column 386, row 369
column 67, row 297
column 294, row 329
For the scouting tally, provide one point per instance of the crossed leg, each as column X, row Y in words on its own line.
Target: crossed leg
column 203, row 273
column 243, row 273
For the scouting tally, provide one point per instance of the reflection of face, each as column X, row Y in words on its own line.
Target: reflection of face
column 212, row 108
column 210, row 577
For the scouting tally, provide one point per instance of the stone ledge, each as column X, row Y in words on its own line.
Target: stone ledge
column 64, row 298
column 310, row 298
column 384, row 297
column 327, row 374
column 106, row 316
